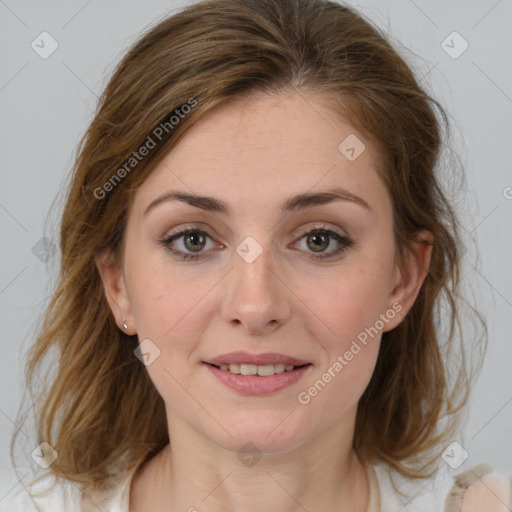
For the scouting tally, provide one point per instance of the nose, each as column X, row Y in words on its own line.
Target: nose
column 256, row 298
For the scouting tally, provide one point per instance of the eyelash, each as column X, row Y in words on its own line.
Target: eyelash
column 345, row 242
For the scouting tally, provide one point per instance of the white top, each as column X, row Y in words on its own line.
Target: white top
column 419, row 495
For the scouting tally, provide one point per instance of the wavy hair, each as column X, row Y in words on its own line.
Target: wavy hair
column 94, row 407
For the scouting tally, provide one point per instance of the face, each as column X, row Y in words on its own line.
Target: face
column 263, row 271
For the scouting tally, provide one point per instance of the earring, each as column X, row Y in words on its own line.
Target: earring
column 124, row 325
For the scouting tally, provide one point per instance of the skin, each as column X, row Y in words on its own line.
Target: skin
column 254, row 153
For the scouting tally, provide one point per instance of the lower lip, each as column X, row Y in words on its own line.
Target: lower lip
column 255, row 385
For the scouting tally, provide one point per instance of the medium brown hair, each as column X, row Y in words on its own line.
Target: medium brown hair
column 99, row 406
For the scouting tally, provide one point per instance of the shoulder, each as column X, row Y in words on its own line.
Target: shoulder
column 474, row 490
column 52, row 494
column 480, row 488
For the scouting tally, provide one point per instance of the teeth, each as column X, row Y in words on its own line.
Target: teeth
column 234, row 368
column 265, row 371
column 251, row 369
column 248, row 369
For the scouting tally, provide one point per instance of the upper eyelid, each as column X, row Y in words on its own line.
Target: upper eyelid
column 313, row 225
column 303, row 231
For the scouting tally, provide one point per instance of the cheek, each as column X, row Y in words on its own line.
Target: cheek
column 351, row 304
column 352, row 310
column 170, row 305
column 153, row 300
column 354, row 299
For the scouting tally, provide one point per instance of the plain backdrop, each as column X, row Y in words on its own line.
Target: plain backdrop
column 47, row 103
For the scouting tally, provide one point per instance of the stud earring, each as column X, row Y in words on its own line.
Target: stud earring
column 124, row 325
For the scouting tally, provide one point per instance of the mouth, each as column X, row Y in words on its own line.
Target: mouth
column 267, row 370
column 257, row 375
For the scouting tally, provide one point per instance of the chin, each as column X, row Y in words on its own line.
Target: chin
column 266, row 431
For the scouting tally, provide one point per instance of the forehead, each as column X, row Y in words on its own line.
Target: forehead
column 261, row 148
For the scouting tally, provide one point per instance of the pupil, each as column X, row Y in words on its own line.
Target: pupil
column 319, row 238
column 194, row 236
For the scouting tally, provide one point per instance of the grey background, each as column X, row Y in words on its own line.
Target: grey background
column 46, row 105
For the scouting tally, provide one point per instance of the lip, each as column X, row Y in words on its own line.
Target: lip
column 241, row 357
column 254, row 385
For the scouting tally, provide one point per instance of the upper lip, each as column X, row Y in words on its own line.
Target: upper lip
column 267, row 358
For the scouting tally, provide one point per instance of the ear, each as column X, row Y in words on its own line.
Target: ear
column 409, row 277
column 115, row 290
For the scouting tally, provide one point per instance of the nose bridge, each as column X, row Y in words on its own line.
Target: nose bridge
column 255, row 297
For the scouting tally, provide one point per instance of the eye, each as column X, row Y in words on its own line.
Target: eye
column 192, row 243
column 319, row 239
column 193, row 240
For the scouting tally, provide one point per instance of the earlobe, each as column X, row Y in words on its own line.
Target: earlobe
column 115, row 290
column 410, row 276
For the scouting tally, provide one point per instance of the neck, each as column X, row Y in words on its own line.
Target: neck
column 196, row 475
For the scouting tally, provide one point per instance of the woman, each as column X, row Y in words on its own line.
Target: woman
column 253, row 249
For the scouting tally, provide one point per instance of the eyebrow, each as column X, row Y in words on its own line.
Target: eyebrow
column 298, row 202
